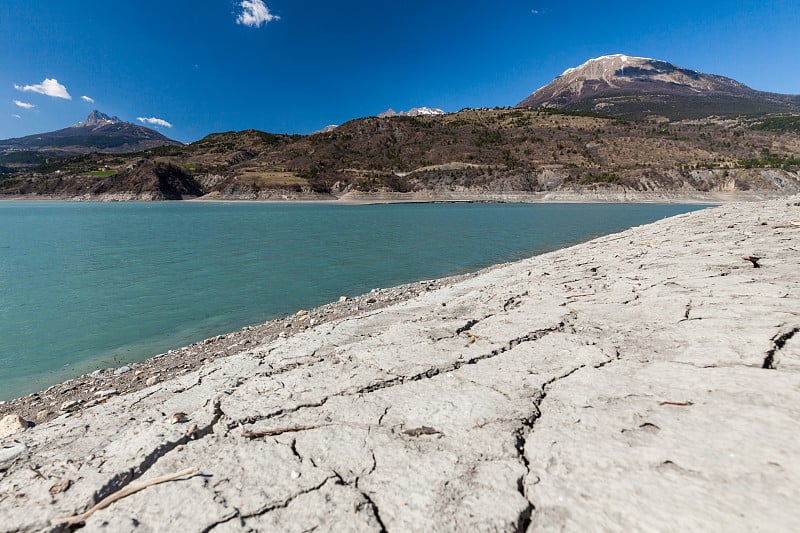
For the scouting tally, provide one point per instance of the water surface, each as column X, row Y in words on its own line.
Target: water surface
column 94, row 285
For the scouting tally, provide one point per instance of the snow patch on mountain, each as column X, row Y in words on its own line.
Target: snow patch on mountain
column 414, row 112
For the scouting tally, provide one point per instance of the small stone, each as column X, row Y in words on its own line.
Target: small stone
column 41, row 416
column 106, row 393
column 282, row 334
column 371, row 300
column 342, row 299
column 152, row 380
column 96, row 372
column 9, row 453
column 122, row 370
column 61, row 486
column 179, row 418
column 70, row 405
column 12, row 424
column 295, row 474
column 301, row 312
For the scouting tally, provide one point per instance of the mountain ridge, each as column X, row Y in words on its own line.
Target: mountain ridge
column 98, row 133
column 641, row 87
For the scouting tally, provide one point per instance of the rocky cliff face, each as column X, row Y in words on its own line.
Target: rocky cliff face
column 638, row 87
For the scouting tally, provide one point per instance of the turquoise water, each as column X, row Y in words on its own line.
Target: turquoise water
column 93, row 285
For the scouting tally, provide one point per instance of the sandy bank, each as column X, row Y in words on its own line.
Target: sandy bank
column 644, row 380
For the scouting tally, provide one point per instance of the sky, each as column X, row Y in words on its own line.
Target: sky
column 192, row 67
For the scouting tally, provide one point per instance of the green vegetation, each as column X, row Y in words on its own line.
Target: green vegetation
column 603, row 177
column 778, row 124
column 101, row 173
column 768, row 160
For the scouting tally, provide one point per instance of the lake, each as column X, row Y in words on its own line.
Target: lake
column 94, row 285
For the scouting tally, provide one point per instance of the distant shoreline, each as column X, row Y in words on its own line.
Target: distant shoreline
column 367, row 198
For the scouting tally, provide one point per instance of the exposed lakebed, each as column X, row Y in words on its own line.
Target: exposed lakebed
column 94, row 285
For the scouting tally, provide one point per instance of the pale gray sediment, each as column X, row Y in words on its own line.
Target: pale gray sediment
column 647, row 380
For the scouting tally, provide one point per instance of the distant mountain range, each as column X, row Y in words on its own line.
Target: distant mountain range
column 98, row 133
column 639, row 87
column 582, row 132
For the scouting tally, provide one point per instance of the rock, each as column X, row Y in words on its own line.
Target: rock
column 105, row 393
column 9, row 453
column 12, row 424
column 70, row 405
column 152, row 380
column 122, row 370
column 343, row 299
column 179, row 418
column 61, row 486
column 41, row 416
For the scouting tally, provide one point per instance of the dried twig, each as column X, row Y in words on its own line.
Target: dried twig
column 272, row 432
column 122, row 493
column 37, row 472
column 679, row 404
column 753, row 259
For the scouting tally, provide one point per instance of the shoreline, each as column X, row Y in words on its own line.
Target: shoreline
column 358, row 198
column 647, row 379
column 80, row 391
column 40, row 403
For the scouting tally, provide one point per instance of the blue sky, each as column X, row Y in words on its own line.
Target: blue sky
column 204, row 66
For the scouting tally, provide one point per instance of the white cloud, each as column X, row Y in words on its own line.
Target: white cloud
column 154, row 121
column 16, row 116
column 87, row 99
column 23, row 105
column 254, row 14
column 49, row 87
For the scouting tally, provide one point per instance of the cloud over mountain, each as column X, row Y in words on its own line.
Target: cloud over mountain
column 154, row 121
column 49, row 87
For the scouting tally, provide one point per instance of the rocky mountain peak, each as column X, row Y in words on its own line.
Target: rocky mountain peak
column 97, row 118
column 633, row 86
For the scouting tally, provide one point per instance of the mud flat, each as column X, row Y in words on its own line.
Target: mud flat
column 648, row 380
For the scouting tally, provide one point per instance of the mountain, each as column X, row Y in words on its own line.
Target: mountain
column 96, row 118
column 481, row 152
column 639, row 87
column 98, row 133
column 413, row 112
